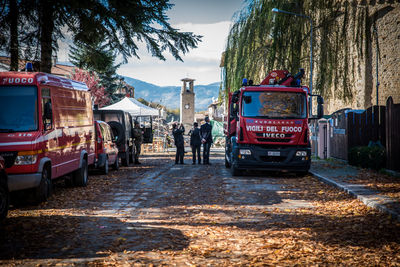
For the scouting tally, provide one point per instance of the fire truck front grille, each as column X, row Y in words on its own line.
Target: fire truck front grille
column 272, row 159
column 263, row 135
column 275, row 140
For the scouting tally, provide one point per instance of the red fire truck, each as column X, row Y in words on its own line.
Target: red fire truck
column 268, row 125
column 46, row 130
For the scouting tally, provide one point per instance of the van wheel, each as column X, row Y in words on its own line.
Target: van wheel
column 125, row 161
column 115, row 166
column 105, row 168
column 69, row 181
column 43, row 191
column 131, row 155
column 81, row 174
column 301, row 173
column 4, row 200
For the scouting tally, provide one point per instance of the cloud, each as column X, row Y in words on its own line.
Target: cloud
column 201, row 63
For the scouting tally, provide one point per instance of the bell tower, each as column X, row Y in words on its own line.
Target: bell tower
column 187, row 103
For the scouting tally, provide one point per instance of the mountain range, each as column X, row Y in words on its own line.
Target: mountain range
column 170, row 95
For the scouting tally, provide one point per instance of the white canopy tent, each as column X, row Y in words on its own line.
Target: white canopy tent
column 134, row 107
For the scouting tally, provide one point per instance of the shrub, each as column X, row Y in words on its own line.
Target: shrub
column 373, row 157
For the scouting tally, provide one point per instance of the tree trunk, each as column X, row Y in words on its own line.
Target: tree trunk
column 14, row 45
column 46, row 35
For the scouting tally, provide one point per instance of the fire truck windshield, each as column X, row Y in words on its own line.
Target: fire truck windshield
column 18, row 108
column 274, row 105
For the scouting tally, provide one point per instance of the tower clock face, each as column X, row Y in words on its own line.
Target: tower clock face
column 187, row 106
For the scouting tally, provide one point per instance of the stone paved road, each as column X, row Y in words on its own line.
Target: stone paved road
column 165, row 214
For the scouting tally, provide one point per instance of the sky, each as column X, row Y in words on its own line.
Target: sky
column 209, row 18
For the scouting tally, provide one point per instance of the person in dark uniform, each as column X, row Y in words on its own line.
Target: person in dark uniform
column 138, row 140
column 206, row 139
column 177, row 132
column 195, row 142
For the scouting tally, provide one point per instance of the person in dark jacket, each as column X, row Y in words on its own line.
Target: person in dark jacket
column 138, row 140
column 195, row 142
column 206, row 139
column 177, row 132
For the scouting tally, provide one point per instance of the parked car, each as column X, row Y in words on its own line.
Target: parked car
column 122, row 128
column 4, row 194
column 46, row 130
column 106, row 148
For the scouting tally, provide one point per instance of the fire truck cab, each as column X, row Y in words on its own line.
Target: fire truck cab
column 268, row 125
column 46, row 130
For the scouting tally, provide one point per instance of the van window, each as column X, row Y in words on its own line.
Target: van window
column 112, row 117
column 46, row 103
column 18, row 108
column 105, row 133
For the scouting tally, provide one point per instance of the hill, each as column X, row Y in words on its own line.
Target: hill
column 170, row 95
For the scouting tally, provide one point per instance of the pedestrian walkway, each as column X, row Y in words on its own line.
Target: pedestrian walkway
column 374, row 189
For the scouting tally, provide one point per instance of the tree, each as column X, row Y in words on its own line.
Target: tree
column 9, row 19
column 119, row 24
column 97, row 58
column 97, row 91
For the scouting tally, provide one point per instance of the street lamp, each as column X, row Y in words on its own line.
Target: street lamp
column 275, row 10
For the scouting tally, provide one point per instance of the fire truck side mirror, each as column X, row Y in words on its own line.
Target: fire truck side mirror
column 235, row 96
column 320, row 100
column 320, row 110
column 233, row 111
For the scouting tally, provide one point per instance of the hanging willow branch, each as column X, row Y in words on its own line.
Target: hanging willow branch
column 260, row 41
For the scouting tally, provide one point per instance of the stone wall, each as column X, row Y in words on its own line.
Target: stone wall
column 372, row 31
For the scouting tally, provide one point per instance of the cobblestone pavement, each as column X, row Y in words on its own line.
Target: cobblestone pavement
column 164, row 214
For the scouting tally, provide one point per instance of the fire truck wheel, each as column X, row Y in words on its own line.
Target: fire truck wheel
column 81, row 175
column 105, row 168
column 125, row 161
column 116, row 164
column 235, row 171
column 227, row 165
column 43, row 191
column 4, row 199
column 227, row 152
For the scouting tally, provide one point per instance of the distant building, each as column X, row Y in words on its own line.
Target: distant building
column 216, row 110
column 199, row 117
column 125, row 89
column 187, row 103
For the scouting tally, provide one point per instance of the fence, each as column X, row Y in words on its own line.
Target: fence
column 338, row 134
column 392, row 135
column 367, row 126
column 348, row 128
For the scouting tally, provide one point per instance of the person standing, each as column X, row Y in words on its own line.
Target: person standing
column 138, row 140
column 177, row 132
column 206, row 139
column 195, row 142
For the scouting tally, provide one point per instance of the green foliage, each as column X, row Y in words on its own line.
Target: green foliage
column 373, row 157
column 260, row 41
column 101, row 60
column 118, row 25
